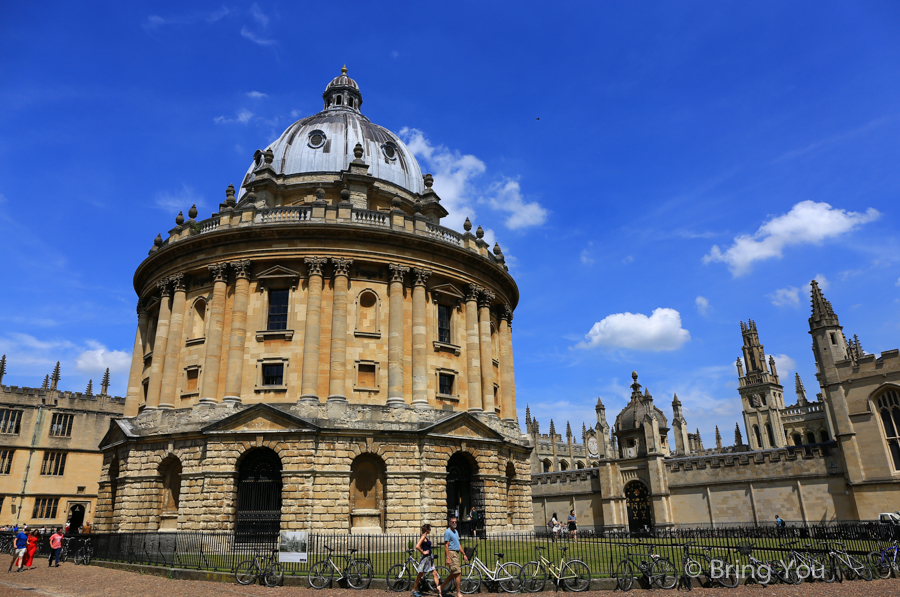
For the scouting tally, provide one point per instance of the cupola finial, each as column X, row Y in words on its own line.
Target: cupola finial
column 344, row 70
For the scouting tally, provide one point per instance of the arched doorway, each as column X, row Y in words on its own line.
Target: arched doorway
column 76, row 517
column 368, row 479
column 170, row 496
column 637, row 501
column 259, row 493
column 465, row 492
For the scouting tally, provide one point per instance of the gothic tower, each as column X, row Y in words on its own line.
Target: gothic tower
column 829, row 345
column 679, row 425
column 761, row 394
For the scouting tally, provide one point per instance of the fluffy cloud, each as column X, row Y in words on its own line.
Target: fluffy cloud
column 808, row 222
column 242, row 117
column 661, row 331
column 702, row 304
column 156, row 21
column 180, row 200
column 784, row 364
column 507, row 196
column 586, row 257
column 790, row 296
column 256, row 94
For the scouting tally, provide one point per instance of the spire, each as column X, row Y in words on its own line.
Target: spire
column 583, row 431
column 740, row 366
column 801, row 391
column 90, row 389
column 822, row 312
column 568, row 431
column 635, row 387
column 738, row 440
column 552, row 429
column 2, row 368
column 104, row 385
column 718, row 439
column 699, row 441
column 527, row 415
column 772, row 366
column 54, row 379
column 675, row 400
column 46, row 384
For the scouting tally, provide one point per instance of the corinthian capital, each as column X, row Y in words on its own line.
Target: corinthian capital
column 219, row 272
column 398, row 271
column 421, row 275
column 341, row 266
column 241, row 268
column 472, row 292
column 141, row 307
column 314, row 265
column 486, row 298
column 177, row 281
column 506, row 313
column 163, row 286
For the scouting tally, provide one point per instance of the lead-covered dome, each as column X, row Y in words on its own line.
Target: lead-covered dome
column 324, row 143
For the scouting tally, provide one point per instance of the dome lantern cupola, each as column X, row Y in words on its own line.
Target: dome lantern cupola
column 342, row 93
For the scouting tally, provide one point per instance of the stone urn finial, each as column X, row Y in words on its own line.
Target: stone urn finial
column 192, row 212
column 467, row 225
column 268, row 156
column 158, row 240
column 396, row 202
column 429, row 180
column 479, row 232
column 497, row 250
column 320, row 194
column 417, row 206
column 229, row 195
column 179, row 219
column 358, row 151
column 345, row 195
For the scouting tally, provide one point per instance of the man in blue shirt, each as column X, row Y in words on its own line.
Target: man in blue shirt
column 452, row 549
column 19, row 554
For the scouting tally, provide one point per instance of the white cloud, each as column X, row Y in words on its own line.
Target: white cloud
column 808, row 222
column 508, row 197
column 156, row 21
column 180, row 200
column 784, row 364
column 242, row 117
column 246, row 33
column 256, row 94
column 258, row 15
column 702, row 305
column 661, row 331
column 98, row 358
column 790, row 296
column 628, row 259
column 586, row 255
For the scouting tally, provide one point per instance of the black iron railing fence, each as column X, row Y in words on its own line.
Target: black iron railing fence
column 600, row 550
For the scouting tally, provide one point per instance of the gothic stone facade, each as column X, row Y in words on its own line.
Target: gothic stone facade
column 321, row 334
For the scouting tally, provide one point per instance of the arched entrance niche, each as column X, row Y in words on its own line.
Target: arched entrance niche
column 637, row 502
column 170, row 498
column 368, row 480
column 510, row 497
column 113, row 492
column 259, row 493
column 464, row 490
column 76, row 517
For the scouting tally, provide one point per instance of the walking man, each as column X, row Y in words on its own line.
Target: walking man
column 452, row 549
column 55, row 547
column 22, row 545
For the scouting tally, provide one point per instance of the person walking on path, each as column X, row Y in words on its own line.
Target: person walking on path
column 19, row 553
column 31, row 549
column 55, row 547
column 451, row 548
column 572, row 524
column 426, row 565
column 555, row 527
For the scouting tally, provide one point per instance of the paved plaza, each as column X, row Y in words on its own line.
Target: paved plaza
column 92, row 581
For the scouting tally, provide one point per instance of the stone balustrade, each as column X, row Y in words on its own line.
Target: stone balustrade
column 802, row 410
column 280, row 215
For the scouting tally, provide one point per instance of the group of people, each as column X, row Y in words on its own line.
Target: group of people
column 556, row 528
column 27, row 546
column 452, row 552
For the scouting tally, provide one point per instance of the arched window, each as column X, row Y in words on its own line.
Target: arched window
column 367, row 313
column 495, row 340
column 258, row 511
column 797, row 439
column 198, row 319
column 579, row 464
column 889, row 409
column 563, row 465
column 823, row 436
column 368, row 478
column 759, row 443
column 510, row 478
column 170, row 472
column 547, row 466
column 810, row 437
column 771, row 435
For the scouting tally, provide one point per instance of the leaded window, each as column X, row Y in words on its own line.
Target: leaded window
column 889, row 409
column 273, row 374
column 54, row 464
column 6, row 457
column 61, row 425
column 10, row 421
column 444, row 314
column 45, row 508
column 278, row 310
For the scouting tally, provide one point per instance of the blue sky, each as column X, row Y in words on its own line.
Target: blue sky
column 655, row 172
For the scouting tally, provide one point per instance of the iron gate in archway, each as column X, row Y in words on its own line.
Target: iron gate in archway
column 259, row 494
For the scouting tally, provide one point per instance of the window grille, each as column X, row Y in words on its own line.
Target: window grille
column 889, row 409
column 278, row 310
column 6, row 457
column 61, row 425
column 10, row 421
column 54, row 463
column 45, row 508
column 444, row 324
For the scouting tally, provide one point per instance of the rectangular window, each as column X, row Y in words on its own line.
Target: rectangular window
column 278, row 309
column 192, row 376
column 45, row 508
column 444, row 324
column 54, row 463
column 61, row 425
column 5, row 461
column 273, row 375
column 446, row 384
column 366, row 377
column 10, row 421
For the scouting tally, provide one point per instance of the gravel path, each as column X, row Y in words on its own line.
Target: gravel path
column 92, row 581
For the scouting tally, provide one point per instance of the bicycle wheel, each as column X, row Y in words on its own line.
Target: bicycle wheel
column 692, row 568
column 320, row 574
column 728, row 576
column 443, row 573
column 625, row 575
column 86, row 558
column 508, row 577
column 398, row 578
column 359, row 574
column 246, row 572
column 470, row 579
column 533, row 577
column 662, row 573
column 845, row 570
column 274, row 575
column 79, row 556
column 859, row 568
column 576, row 576
column 879, row 563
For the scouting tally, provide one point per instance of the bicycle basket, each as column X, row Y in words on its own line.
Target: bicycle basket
column 745, row 550
column 469, row 551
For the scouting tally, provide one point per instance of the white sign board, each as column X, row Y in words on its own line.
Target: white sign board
column 293, row 546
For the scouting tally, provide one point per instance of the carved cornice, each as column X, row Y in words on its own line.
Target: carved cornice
column 472, row 292
column 398, row 271
column 314, row 265
column 163, row 286
column 341, row 266
column 486, row 298
column 421, row 276
column 177, row 281
column 241, row 269
column 219, row 272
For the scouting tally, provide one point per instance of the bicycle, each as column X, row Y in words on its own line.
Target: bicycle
column 357, row 573
column 399, row 576
column 844, row 564
column 506, row 575
column 884, row 560
column 266, row 567
column 574, row 574
column 67, row 549
column 694, row 569
column 84, row 553
column 659, row 571
column 758, row 565
column 8, row 544
column 810, row 561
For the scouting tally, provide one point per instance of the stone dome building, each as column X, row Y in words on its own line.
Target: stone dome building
column 320, row 353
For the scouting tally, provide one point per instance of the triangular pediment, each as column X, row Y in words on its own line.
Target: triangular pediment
column 463, row 425
column 115, row 435
column 277, row 272
column 259, row 418
column 448, row 292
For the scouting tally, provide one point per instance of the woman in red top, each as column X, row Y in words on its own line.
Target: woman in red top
column 31, row 549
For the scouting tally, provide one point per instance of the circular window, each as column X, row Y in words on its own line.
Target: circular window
column 390, row 152
column 316, row 139
column 367, row 300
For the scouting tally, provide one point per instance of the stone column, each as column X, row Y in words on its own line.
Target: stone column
column 238, row 340
column 508, row 408
column 210, row 392
column 395, row 334
column 487, row 359
column 134, row 395
column 473, row 364
column 173, row 346
column 337, row 379
column 159, row 345
column 309, row 389
column 419, row 352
